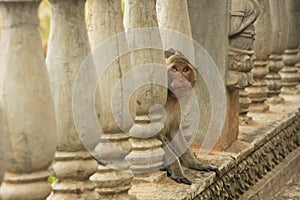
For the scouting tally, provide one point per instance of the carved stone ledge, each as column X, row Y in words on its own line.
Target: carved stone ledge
column 257, row 164
column 260, row 149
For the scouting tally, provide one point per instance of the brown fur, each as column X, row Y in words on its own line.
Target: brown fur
column 182, row 77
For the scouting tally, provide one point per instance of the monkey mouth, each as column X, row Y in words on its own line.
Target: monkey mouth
column 182, row 87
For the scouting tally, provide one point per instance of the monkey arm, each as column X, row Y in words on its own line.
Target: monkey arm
column 174, row 170
column 179, row 147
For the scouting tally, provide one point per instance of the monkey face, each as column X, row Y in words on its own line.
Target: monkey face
column 180, row 79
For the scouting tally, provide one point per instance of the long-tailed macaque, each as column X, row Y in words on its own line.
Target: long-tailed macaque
column 182, row 77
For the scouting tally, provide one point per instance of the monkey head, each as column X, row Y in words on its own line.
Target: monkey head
column 182, row 75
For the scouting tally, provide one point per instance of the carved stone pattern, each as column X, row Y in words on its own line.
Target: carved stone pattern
column 241, row 39
column 256, row 165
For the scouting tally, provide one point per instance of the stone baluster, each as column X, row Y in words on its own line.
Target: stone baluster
column 289, row 72
column 167, row 10
column 216, row 14
column 27, row 110
column 298, row 67
column 2, row 149
column 297, row 24
column 262, row 48
column 258, row 91
column 279, row 42
column 241, row 54
column 147, row 154
column 113, row 180
column 3, row 136
column 244, row 104
column 244, row 41
column 273, row 79
column 68, row 47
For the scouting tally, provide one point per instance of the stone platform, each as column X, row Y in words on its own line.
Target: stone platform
column 266, row 148
column 291, row 191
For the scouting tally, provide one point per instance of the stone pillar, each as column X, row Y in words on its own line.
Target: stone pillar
column 167, row 11
column 289, row 73
column 206, row 16
column 241, row 54
column 2, row 143
column 244, row 103
column 273, row 79
column 262, row 48
column 3, row 136
column 147, row 154
column 68, row 46
column 279, row 43
column 27, row 109
column 297, row 65
column 259, row 90
column 113, row 180
column 297, row 7
column 2, row 150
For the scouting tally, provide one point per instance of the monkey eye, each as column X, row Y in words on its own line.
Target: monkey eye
column 174, row 68
column 186, row 69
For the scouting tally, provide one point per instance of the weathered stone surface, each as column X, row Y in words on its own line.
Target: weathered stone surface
column 3, row 145
column 214, row 38
column 258, row 91
column 230, row 130
column 290, row 75
column 113, row 177
column 275, row 181
column 244, row 102
column 67, row 49
column 279, row 44
column 262, row 48
column 241, row 38
column 252, row 154
column 27, row 110
column 260, row 148
column 146, row 154
column 291, row 190
column 2, row 161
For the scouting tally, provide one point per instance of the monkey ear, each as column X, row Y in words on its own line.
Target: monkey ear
column 178, row 53
column 169, row 53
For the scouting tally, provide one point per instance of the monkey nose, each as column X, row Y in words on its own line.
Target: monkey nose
column 181, row 78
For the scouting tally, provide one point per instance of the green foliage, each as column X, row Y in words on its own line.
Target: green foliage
column 44, row 16
column 123, row 5
column 51, row 179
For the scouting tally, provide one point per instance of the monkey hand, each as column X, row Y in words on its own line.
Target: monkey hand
column 214, row 169
column 182, row 179
column 206, row 168
column 177, row 176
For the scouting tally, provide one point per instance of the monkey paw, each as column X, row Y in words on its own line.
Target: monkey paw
column 214, row 169
column 182, row 179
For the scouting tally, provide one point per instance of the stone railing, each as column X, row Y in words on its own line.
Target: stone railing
column 255, row 48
